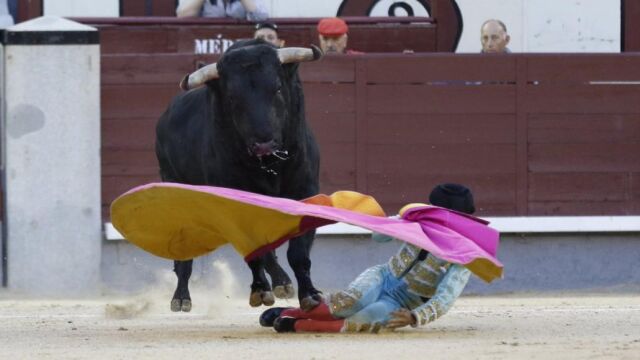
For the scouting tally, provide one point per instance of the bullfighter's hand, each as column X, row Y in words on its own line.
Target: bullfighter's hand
column 401, row 318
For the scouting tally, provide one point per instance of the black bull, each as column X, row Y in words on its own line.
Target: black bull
column 245, row 129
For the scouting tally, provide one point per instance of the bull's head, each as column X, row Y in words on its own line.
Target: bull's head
column 257, row 89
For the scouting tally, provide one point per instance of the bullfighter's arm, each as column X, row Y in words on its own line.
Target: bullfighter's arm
column 252, row 10
column 189, row 8
column 448, row 290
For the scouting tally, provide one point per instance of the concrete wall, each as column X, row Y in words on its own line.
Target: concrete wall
column 51, row 145
column 539, row 263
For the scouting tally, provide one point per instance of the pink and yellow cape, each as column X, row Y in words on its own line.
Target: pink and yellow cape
column 181, row 222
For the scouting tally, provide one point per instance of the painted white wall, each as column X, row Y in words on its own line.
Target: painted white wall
column 534, row 25
column 579, row 26
column 303, row 8
column 99, row 8
column 546, row 25
column 307, row 8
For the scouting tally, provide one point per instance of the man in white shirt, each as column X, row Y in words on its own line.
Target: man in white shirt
column 252, row 10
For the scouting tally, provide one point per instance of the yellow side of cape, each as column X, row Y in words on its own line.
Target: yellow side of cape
column 177, row 224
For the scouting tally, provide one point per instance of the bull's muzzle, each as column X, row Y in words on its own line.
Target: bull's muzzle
column 263, row 149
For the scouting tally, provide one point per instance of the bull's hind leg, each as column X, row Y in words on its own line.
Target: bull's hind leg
column 298, row 256
column 282, row 287
column 260, row 288
column 181, row 298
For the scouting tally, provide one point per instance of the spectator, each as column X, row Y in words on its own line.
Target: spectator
column 252, row 10
column 494, row 37
column 332, row 33
column 268, row 32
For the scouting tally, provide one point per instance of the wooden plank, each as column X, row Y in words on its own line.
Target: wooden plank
column 128, row 133
column 127, row 162
column 561, row 98
column 425, row 99
column 361, row 127
column 522, row 166
column 449, row 20
column 578, row 186
column 452, row 159
column 133, row 8
column 634, row 187
column 329, row 98
column 418, row 38
column 603, row 157
column 494, row 194
column 28, row 9
column 164, row 7
column 583, row 128
column 337, row 167
column 332, row 69
column 136, row 101
column 630, row 25
column 330, row 128
column 422, row 68
column 149, row 69
column 171, row 35
column 441, row 129
column 583, row 67
column 586, row 208
column 134, row 40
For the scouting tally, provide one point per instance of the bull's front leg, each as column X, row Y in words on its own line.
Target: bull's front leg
column 260, row 288
column 300, row 262
column 181, row 298
column 280, row 281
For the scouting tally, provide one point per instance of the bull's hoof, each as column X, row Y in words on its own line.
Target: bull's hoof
column 176, row 305
column 308, row 303
column 284, row 291
column 258, row 298
column 186, row 305
column 180, row 305
column 255, row 299
column 267, row 298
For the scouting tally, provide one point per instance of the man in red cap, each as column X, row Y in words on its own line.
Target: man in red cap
column 333, row 36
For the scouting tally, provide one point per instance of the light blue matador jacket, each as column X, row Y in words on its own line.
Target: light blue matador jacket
column 427, row 287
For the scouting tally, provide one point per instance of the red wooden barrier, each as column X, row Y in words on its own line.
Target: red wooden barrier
column 529, row 139
column 205, row 35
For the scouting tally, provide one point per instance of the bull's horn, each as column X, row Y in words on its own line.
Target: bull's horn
column 297, row 54
column 199, row 77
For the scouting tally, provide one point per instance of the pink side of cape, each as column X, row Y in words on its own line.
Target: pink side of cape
column 454, row 237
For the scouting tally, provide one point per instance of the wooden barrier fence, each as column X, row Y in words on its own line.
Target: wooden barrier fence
column 530, row 134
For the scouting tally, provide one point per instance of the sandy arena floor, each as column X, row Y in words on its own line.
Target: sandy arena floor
column 509, row 327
